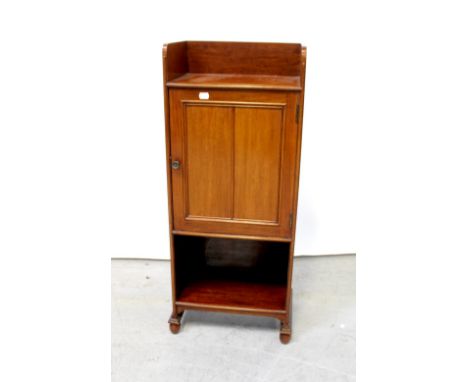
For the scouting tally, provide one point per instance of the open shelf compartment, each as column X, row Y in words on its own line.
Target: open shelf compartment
column 231, row 274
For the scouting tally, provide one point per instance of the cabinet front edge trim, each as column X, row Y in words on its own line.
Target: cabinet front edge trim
column 231, row 236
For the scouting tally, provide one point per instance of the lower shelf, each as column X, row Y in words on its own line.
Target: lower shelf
column 234, row 295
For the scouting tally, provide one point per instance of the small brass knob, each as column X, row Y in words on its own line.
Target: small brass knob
column 175, row 164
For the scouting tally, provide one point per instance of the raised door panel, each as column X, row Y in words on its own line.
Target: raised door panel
column 208, row 158
column 237, row 162
column 257, row 172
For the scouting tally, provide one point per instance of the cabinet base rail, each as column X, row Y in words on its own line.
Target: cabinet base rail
column 284, row 316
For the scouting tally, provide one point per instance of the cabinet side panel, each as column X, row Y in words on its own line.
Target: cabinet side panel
column 209, row 161
column 176, row 56
column 257, row 153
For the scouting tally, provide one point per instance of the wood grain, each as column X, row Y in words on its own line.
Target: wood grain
column 208, row 161
column 257, row 152
column 244, row 58
column 240, row 154
column 175, row 57
column 235, row 294
column 297, row 166
column 167, row 124
column 236, row 81
column 232, row 236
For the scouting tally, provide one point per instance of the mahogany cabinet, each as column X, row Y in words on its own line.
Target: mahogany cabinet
column 233, row 138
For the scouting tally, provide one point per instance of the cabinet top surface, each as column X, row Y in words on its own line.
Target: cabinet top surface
column 236, row 81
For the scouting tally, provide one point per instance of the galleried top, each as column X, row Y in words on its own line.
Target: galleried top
column 234, row 65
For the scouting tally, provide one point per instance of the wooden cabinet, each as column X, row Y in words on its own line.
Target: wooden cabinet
column 233, row 132
column 234, row 154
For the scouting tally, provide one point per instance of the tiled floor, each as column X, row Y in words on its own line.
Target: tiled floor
column 218, row 347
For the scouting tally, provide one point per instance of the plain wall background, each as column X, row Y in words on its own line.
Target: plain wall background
column 82, row 174
column 87, row 123
column 88, row 126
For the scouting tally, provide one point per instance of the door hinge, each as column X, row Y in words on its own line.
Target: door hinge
column 290, row 220
column 297, row 113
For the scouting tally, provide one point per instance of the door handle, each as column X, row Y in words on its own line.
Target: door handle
column 175, row 164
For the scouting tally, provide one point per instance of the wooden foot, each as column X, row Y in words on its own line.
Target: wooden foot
column 174, row 322
column 285, row 330
column 285, row 338
column 174, row 328
column 285, row 333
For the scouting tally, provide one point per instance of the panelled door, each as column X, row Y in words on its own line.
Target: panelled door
column 233, row 161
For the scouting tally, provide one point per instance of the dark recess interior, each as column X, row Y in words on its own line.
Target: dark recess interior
column 231, row 271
